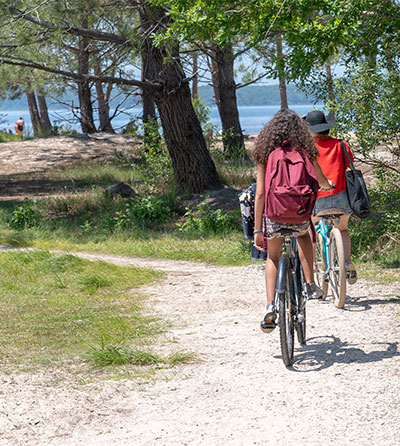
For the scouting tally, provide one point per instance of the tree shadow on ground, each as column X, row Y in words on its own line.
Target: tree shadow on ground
column 361, row 303
column 325, row 351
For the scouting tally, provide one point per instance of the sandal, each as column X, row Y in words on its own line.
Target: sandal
column 351, row 273
column 268, row 323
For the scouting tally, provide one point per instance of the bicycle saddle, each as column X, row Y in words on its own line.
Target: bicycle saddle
column 330, row 211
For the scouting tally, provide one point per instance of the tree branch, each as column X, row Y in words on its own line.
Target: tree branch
column 90, row 33
column 251, row 82
column 10, row 60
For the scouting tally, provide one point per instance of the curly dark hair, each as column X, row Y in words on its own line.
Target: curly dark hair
column 286, row 127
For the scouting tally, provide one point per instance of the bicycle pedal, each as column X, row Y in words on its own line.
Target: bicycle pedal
column 300, row 318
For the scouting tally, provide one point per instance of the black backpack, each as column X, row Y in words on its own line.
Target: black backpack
column 246, row 200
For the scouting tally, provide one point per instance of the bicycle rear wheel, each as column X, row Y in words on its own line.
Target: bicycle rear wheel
column 321, row 275
column 338, row 268
column 286, row 317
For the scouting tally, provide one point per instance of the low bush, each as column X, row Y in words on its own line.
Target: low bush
column 143, row 211
column 203, row 220
column 377, row 238
column 6, row 137
column 25, row 216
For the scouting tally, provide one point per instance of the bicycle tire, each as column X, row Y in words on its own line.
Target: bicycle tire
column 337, row 268
column 301, row 326
column 286, row 317
column 321, row 278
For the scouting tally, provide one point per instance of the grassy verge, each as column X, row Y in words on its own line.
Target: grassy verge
column 7, row 137
column 61, row 309
column 227, row 250
column 90, row 220
column 103, row 175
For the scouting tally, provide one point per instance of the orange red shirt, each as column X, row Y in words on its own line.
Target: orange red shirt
column 331, row 161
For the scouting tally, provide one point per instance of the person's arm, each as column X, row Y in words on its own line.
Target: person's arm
column 259, row 208
column 324, row 183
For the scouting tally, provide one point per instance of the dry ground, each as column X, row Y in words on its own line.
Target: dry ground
column 24, row 165
column 343, row 389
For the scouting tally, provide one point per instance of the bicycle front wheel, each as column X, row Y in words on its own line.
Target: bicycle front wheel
column 286, row 319
column 337, row 268
column 301, row 310
column 321, row 275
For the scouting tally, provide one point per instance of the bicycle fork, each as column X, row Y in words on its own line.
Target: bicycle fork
column 293, row 287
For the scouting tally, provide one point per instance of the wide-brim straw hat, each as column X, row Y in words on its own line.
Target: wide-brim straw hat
column 318, row 122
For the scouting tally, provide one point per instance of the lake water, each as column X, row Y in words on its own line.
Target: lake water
column 252, row 119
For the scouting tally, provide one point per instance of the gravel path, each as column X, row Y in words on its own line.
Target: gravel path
column 343, row 388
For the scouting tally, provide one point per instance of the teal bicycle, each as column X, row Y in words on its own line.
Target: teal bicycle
column 330, row 261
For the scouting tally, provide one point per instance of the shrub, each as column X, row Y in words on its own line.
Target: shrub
column 368, row 104
column 143, row 211
column 25, row 216
column 378, row 237
column 203, row 220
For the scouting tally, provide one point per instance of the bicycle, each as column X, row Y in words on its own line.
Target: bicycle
column 330, row 261
column 290, row 297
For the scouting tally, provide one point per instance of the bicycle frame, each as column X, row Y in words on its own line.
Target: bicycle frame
column 292, row 257
column 324, row 229
column 330, row 243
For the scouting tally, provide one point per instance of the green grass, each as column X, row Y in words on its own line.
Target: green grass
column 228, row 250
column 84, row 174
column 91, row 221
column 106, row 355
column 7, row 137
column 55, row 308
column 369, row 271
column 239, row 174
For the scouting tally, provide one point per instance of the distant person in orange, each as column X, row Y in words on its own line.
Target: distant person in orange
column 19, row 127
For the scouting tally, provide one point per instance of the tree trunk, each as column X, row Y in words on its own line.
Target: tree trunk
column 104, row 110
column 34, row 113
column 151, row 136
column 281, row 71
column 149, row 109
column 85, row 100
column 329, row 80
column 104, row 107
column 193, row 166
column 195, row 81
column 224, row 83
column 45, row 123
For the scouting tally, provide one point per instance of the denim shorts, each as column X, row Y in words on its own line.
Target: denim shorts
column 339, row 201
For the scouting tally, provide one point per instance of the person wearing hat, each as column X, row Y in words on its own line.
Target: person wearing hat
column 331, row 161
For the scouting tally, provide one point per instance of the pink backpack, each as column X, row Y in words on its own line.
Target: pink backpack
column 291, row 186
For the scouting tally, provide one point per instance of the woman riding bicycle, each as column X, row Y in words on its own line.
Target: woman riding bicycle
column 288, row 130
column 331, row 161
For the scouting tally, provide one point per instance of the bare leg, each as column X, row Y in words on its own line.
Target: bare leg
column 271, row 266
column 305, row 247
column 343, row 227
column 315, row 221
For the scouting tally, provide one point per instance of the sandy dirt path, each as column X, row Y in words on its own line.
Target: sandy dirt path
column 344, row 388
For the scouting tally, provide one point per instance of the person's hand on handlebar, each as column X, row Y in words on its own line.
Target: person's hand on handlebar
column 327, row 186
